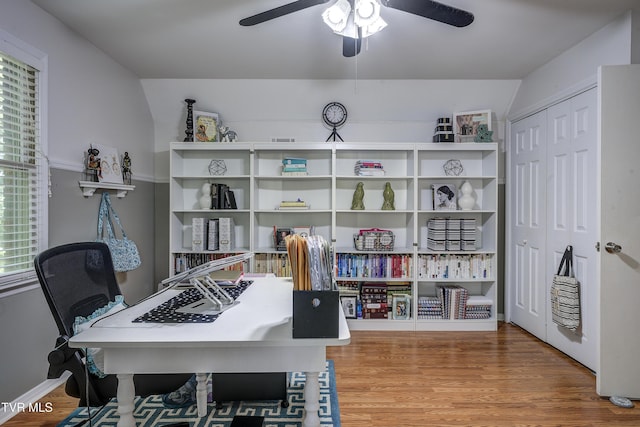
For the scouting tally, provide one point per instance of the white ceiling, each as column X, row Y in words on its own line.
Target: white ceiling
column 202, row 38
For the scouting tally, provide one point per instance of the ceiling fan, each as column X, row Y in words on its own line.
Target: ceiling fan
column 357, row 19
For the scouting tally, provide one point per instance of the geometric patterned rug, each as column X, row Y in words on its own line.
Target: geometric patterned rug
column 150, row 412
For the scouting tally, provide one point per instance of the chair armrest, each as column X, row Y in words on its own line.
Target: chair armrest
column 63, row 358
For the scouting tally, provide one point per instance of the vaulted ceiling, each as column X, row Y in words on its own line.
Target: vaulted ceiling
column 202, row 38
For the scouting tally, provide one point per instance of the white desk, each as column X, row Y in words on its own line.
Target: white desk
column 253, row 336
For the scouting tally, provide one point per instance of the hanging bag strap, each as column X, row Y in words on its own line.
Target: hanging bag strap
column 104, row 218
column 566, row 262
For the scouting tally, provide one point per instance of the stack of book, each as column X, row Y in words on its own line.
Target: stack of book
column 429, row 308
column 454, row 301
column 374, row 301
column 293, row 204
column 368, row 168
column 293, row 166
column 478, row 307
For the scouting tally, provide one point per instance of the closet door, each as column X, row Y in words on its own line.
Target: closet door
column 527, row 216
column 572, row 216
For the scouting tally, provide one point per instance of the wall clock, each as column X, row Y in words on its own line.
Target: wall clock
column 334, row 115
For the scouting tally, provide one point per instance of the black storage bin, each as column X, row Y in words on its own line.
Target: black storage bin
column 315, row 314
column 228, row 387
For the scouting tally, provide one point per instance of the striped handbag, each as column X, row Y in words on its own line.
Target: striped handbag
column 565, row 294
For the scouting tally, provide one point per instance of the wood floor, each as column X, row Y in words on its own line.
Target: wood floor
column 420, row 379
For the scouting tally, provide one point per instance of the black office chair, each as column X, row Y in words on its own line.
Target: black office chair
column 77, row 279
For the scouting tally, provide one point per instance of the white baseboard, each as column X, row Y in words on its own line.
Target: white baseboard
column 32, row 396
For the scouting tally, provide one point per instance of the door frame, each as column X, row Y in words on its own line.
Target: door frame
column 570, row 92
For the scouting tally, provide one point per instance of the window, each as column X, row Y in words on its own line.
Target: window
column 23, row 207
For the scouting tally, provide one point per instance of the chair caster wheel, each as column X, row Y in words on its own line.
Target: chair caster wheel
column 284, row 404
column 218, row 405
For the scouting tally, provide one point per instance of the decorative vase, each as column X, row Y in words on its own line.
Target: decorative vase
column 205, row 199
column 466, row 202
column 388, row 195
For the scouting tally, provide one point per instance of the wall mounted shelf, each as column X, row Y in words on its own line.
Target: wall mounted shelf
column 90, row 187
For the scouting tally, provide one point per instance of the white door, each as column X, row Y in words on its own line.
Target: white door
column 619, row 103
column 527, row 212
column 572, row 217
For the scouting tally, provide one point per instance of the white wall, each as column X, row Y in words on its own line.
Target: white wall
column 91, row 99
column 575, row 68
column 378, row 110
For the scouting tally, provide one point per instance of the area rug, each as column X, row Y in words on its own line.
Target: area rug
column 149, row 412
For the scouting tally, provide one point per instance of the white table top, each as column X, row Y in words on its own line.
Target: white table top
column 263, row 317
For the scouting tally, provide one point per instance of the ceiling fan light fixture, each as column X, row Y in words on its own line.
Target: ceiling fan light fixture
column 337, row 15
column 366, row 12
column 373, row 28
column 349, row 30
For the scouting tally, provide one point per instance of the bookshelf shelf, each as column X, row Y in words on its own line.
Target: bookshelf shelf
column 254, row 174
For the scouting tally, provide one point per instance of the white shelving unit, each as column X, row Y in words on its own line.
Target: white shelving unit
column 254, row 174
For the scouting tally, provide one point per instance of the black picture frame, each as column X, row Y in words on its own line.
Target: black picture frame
column 349, row 305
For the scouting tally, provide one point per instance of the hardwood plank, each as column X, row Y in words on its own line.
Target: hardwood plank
column 415, row 379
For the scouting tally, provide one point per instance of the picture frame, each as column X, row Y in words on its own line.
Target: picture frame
column 349, row 304
column 401, row 307
column 445, row 197
column 465, row 124
column 109, row 169
column 279, row 237
column 205, row 126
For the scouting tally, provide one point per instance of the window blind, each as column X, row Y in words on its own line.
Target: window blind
column 19, row 169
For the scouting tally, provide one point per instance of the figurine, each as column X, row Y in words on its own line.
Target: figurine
column 357, row 204
column 227, row 135
column 126, row 168
column 93, row 164
column 205, row 199
column 389, row 203
column 484, row 134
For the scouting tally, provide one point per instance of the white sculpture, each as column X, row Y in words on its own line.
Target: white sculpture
column 466, row 202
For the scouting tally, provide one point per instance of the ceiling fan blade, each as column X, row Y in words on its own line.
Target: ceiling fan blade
column 351, row 47
column 432, row 10
column 280, row 11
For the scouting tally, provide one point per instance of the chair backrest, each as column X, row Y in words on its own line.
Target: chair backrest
column 76, row 279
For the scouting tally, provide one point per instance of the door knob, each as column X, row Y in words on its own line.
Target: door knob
column 613, row 248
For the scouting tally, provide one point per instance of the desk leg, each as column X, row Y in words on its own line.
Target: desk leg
column 125, row 394
column 311, row 400
column 201, row 394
